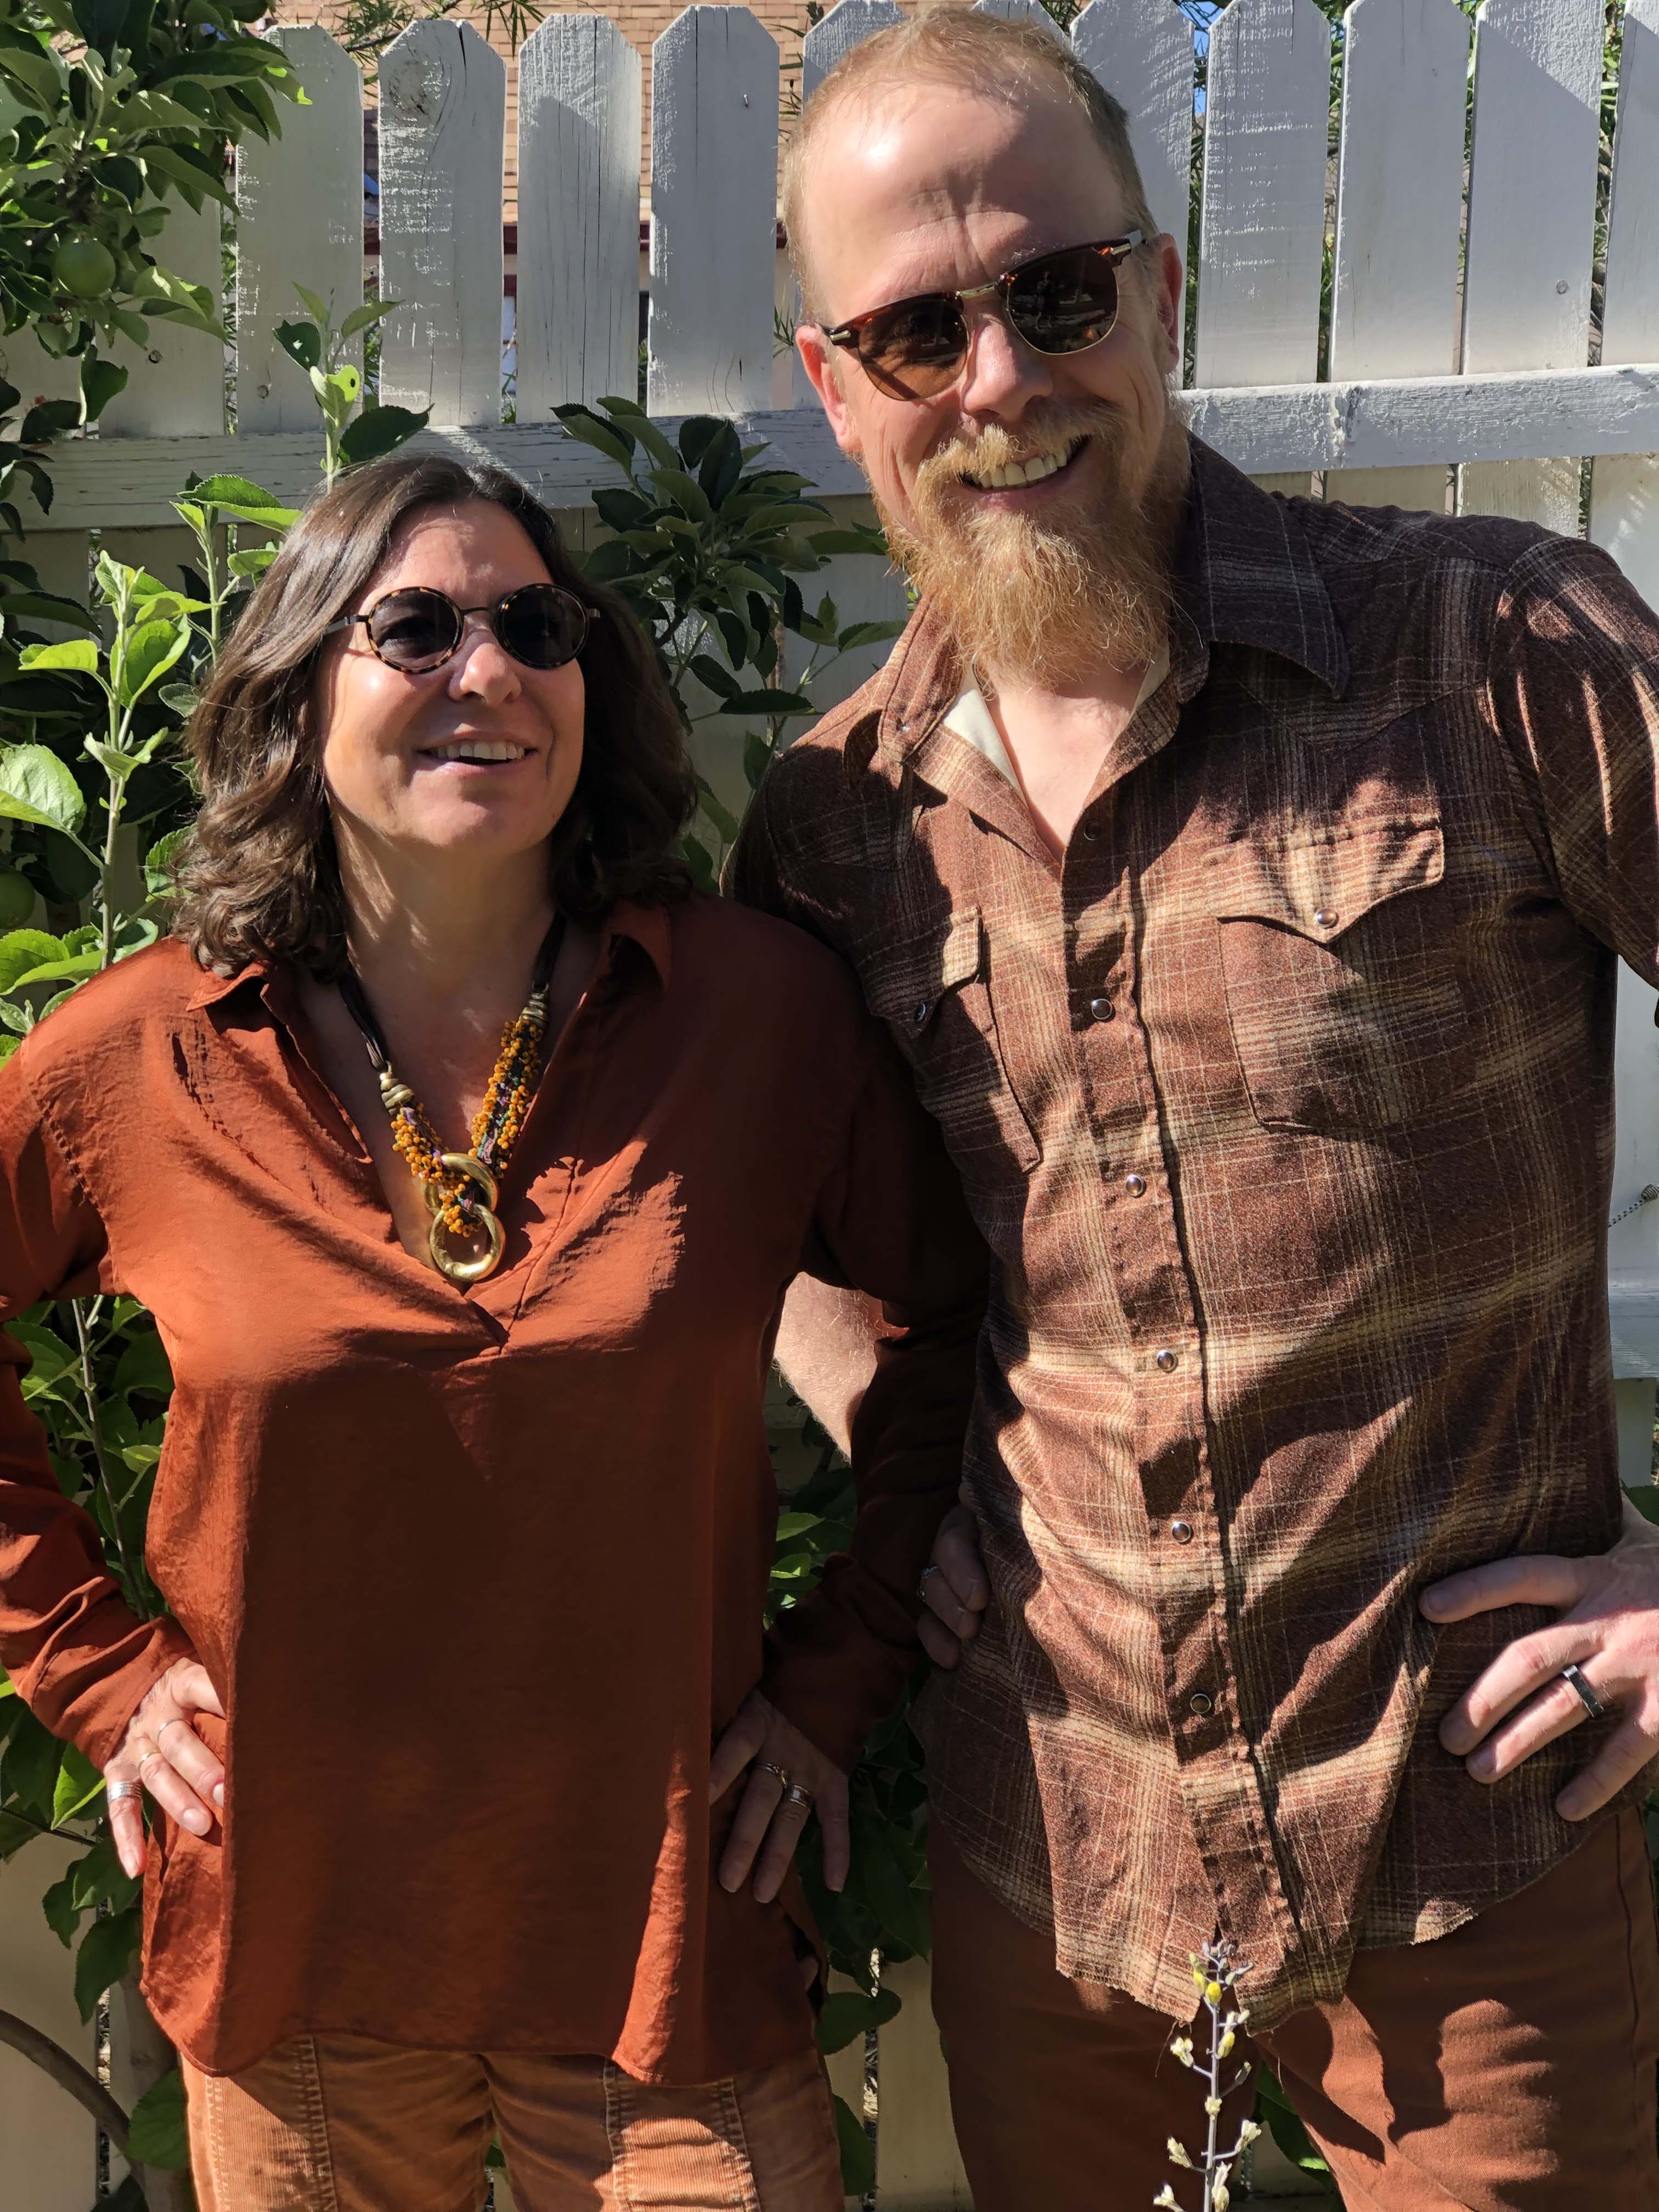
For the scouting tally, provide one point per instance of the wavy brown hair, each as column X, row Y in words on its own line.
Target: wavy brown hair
column 258, row 877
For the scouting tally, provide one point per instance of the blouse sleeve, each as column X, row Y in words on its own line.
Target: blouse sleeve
column 80, row 1658
column 891, row 1221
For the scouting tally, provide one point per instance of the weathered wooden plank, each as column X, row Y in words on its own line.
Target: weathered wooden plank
column 1624, row 488
column 578, row 215
column 918, row 2166
column 1399, row 213
column 299, row 220
column 175, row 384
column 835, row 35
column 443, row 106
column 1142, row 52
column 48, row 2143
column 1022, row 12
column 1262, row 232
column 1532, row 214
column 1386, row 423
column 713, row 213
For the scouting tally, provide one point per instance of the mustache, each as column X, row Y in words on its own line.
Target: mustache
column 1046, row 432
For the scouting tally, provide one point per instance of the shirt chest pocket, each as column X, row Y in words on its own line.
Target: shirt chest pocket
column 933, row 992
column 1342, row 994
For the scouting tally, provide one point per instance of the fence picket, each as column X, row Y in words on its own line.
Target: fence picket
column 837, row 33
column 1399, row 215
column 1625, row 487
column 176, row 385
column 1143, row 55
column 1532, row 215
column 443, row 108
column 299, row 220
column 577, row 328
column 713, row 213
column 1021, row 11
column 1262, row 237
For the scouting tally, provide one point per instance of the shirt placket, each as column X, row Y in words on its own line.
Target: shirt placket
column 1163, row 1351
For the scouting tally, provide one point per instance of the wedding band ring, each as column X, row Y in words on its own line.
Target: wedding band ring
column 921, row 1587
column 782, row 1773
column 151, row 1753
column 794, row 1795
column 123, row 1790
column 1592, row 1703
column 177, row 1721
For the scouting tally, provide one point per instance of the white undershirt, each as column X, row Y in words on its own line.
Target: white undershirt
column 972, row 719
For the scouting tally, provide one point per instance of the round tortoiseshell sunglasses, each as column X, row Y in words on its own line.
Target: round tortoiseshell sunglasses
column 418, row 629
column 1058, row 303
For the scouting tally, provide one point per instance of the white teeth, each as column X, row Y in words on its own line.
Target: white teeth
column 1025, row 473
column 479, row 749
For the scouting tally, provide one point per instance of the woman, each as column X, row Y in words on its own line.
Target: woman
column 464, row 1516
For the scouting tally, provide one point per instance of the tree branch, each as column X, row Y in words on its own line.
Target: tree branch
column 69, row 2074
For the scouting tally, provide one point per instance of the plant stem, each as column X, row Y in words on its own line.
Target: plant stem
column 69, row 2074
column 112, row 807
column 89, row 1391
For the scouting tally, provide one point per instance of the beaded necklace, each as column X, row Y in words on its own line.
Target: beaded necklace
column 463, row 1189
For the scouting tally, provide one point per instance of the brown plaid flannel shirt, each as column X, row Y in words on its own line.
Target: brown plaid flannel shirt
column 1284, row 1101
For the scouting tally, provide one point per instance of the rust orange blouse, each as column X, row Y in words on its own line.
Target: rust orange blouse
column 478, row 1574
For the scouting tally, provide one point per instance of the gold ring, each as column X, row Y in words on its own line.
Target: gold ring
column 470, row 1166
column 782, row 1773
column 467, row 1271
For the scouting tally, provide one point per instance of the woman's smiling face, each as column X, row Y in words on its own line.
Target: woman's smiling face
column 475, row 759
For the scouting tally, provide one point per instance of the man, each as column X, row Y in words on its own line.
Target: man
column 1242, row 878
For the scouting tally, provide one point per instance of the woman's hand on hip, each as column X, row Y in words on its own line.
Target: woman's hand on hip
column 162, row 1753
column 788, row 1776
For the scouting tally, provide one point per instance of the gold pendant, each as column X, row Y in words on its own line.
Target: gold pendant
column 467, row 1271
column 483, row 1220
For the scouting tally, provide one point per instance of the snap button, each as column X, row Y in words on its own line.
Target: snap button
column 1092, row 830
column 1166, row 1360
column 1135, row 1185
column 1200, row 1704
column 921, row 1013
column 1182, row 1531
column 1102, row 1009
column 1325, row 916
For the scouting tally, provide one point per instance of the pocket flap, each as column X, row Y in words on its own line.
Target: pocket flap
column 1320, row 885
column 904, row 982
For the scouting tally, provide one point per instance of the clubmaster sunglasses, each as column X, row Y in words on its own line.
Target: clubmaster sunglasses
column 1058, row 303
column 419, row 630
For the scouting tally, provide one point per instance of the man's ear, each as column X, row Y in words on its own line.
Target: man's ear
column 818, row 358
column 1166, row 276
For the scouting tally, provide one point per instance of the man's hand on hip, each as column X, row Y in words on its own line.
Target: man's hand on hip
column 1608, row 1629
column 955, row 1587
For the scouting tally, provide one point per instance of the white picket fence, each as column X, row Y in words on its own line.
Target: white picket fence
column 1460, row 339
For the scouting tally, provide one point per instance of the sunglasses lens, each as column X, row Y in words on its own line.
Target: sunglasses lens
column 542, row 626
column 915, row 348
column 414, row 629
column 1066, row 301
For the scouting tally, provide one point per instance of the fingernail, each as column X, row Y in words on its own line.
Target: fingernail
column 218, row 1793
column 196, row 1820
column 1432, row 1604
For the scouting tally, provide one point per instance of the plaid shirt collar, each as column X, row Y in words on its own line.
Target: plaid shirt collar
column 1244, row 575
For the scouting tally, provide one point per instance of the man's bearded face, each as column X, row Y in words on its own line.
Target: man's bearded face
column 1040, row 593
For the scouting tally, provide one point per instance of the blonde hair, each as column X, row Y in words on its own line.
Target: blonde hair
column 949, row 44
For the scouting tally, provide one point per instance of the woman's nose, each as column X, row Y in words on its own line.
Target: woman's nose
column 481, row 668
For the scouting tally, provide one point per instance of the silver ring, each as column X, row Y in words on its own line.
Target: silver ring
column 921, row 1587
column 123, row 1790
column 794, row 1795
column 177, row 1721
column 782, row 1773
column 1592, row 1703
column 151, row 1753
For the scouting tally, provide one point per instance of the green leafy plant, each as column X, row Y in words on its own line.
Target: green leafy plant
column 108, row 110
column 337, row 385
column 708, row 546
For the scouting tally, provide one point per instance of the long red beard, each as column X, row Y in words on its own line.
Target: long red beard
column 1039, row 601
